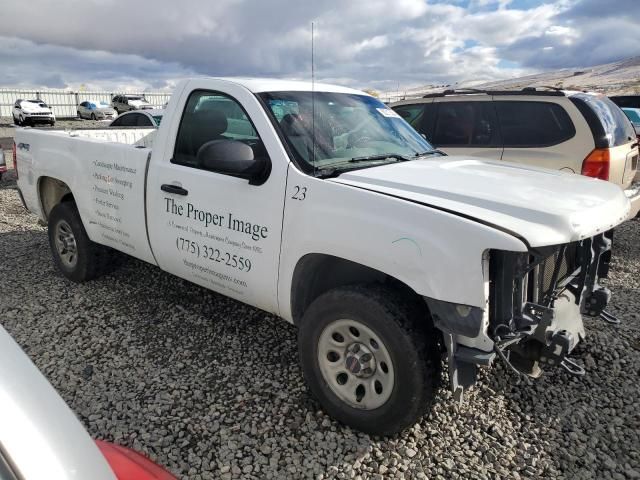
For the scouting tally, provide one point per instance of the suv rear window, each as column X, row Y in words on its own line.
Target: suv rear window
column 609, row 125
column 533, row 124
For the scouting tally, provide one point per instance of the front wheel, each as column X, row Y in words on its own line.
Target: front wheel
column 370, row 357
column 93, row 116
column 76, row 256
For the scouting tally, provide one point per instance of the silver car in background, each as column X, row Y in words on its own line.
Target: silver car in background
column 96, row 110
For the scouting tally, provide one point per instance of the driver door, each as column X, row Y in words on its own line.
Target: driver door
column 209, row 227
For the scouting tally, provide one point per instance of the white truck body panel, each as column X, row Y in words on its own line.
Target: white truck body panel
column 505, row 195
column 106, row 175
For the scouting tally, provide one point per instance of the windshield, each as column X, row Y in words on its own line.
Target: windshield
column 134, row 97
column 348, row 128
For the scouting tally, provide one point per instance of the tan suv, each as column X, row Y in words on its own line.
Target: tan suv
column 573, row 131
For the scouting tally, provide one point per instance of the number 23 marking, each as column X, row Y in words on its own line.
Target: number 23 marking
column 300, row 193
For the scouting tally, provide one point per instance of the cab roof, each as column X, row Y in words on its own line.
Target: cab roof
column 259, row 85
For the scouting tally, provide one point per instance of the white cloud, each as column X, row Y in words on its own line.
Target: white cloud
column 365, row 43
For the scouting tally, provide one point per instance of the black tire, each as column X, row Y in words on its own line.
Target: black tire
column 79, row 115
column 15, row 121
column 411, row 342
column 92, row 259
column 93, row 116
column 53, row 123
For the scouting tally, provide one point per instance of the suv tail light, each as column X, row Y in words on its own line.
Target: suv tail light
column 596, row 164
column 15, row 159
column 130, row 465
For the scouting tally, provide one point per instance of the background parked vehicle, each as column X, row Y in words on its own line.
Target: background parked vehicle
column 3, row 163
column 140, row 118
column 628, row 101
column 562, row 130
column 42, row 439
column 633, row 114
column 32, row 112
column 96, row 110
column 124, row 103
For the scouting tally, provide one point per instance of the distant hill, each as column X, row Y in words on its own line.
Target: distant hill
column 622, row 77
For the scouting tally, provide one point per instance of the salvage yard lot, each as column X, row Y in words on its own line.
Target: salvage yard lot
column 212, row 388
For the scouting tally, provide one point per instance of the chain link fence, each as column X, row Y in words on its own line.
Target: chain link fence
column 64, row 103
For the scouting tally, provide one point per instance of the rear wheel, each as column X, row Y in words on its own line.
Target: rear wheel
column 76, row 256
column 370, row 358
column 93, row 116
column 79, row 115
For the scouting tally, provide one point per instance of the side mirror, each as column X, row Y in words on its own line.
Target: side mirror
column 234, row 158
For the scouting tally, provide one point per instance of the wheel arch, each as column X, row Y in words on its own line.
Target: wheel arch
column 51, row 192
column 317, row 273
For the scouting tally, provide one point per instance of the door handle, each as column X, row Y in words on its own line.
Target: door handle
column 176, row 189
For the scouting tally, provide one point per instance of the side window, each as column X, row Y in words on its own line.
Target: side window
column 125, row 120
column 533, row 124
column 142, row 120
column 412, row 114
column 210, row 116
column 460, row 124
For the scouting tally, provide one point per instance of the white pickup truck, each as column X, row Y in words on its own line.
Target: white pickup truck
column 322, row 206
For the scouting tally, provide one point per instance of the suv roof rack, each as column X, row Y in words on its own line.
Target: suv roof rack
column 552, row 91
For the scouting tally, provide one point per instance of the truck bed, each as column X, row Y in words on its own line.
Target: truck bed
column 142, row 137
column 106, row 171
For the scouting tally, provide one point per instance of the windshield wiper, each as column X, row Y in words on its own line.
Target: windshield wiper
column 383, row 156
column 431, row 152
column 342, row 167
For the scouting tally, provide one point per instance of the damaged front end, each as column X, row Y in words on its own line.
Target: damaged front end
column 536, row 301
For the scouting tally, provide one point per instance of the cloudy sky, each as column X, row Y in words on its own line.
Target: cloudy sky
column 363, row 43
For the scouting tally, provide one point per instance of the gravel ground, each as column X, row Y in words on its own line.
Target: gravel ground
column 211, row 388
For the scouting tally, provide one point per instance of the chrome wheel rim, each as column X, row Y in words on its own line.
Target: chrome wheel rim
column 66, row 244
column 355, row 364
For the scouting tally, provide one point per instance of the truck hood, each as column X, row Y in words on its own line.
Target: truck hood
column 540, row 206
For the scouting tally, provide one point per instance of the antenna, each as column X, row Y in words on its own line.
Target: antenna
column 313, row 103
